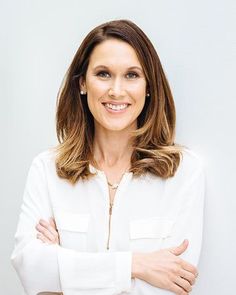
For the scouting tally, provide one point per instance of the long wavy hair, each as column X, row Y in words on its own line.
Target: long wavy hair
column 154, row 149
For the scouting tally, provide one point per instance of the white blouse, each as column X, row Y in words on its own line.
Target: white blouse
column 149, row 213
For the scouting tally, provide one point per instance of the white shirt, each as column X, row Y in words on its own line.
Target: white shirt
column 149, row 213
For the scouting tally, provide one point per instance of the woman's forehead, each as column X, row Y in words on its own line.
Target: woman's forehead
column 113, row 52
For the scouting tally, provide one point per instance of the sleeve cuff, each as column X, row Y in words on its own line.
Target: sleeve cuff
column 123, row 271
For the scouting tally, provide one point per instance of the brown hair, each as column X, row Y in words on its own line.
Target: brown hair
column 154, row 148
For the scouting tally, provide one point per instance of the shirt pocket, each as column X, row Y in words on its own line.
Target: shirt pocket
column 72, row 228
column 147, row 234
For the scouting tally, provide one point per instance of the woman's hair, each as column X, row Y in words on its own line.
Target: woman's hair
column 154, row 149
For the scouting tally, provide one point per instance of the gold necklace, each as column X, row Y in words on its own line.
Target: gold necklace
column 116, row 184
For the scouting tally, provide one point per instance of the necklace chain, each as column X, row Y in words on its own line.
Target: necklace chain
column 115, row 185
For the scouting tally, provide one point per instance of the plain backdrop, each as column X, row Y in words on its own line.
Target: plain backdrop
column 196, row 44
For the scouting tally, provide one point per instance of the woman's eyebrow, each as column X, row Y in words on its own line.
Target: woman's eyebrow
column 135, row 68
column 100, row 67
column 128, row 69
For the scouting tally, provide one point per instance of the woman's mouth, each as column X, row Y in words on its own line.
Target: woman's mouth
column 116, row 107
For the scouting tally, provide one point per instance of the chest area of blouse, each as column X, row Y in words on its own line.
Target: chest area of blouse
column 139, row 218
column 135, row 197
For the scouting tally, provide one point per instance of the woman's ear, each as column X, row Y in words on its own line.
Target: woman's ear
column 82, row 85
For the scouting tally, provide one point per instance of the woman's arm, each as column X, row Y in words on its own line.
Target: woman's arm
column 161, row 269
column 50, row 268
column 189, row 217
column 185, row 200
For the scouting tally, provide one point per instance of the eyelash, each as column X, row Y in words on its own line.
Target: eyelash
column 133, row 74
column 103, row 74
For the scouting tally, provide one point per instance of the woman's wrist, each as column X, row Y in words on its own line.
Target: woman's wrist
column 137, row 269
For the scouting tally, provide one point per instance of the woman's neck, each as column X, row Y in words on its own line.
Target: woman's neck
column 112, row 148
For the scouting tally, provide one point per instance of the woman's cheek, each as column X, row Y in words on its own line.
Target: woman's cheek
column 97, row 89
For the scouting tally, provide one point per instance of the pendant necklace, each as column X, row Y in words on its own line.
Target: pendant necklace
column 115, row 185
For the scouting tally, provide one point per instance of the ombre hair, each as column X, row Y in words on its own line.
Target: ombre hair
column 154, row 149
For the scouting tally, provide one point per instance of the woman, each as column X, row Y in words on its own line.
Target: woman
column 117, row 206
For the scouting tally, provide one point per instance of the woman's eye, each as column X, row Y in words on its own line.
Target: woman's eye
column 103, row 74
column 132, row 75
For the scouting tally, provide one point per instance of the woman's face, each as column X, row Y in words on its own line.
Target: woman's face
column 115, row 85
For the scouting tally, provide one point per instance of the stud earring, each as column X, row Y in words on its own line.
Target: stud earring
column 82, row 92
column 148, row 94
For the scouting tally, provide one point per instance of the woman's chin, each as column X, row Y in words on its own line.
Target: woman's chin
column 115, row 125
column 118, row 127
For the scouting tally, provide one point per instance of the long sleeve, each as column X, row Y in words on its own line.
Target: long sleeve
column 51, row 268
column 182, row 209
column 189, row 216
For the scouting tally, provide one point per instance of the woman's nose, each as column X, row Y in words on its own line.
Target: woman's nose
column 116, row 89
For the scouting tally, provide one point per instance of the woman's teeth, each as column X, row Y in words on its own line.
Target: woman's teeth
column 116, row 107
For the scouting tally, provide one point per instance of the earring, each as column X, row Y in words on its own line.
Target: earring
column 82, row 92
column 148, row 94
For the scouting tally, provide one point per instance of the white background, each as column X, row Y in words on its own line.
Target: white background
column 196, row 44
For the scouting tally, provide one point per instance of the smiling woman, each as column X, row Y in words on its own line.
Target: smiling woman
column 117, row 206
column 115, row 86
column 108, row 57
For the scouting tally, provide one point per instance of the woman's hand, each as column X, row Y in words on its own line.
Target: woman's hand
column 48, row 231
column 164, row 269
